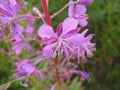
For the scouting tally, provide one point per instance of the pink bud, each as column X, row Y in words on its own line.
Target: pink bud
column 86, row 2
column 36, row 11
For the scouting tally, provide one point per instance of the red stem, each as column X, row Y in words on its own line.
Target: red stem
column 46, row 12
column 57, row 73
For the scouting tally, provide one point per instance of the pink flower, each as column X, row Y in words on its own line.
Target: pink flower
column 8, row 9
column 18, row 40
column 66, row 40
column 78, row 12
column 25, row 68
column 57, row 43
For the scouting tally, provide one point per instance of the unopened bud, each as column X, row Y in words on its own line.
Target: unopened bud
column 36, row 11
column 86, row 2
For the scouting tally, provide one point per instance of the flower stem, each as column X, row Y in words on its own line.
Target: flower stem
column 57, row 74
column 46, row 12
column 63, row 8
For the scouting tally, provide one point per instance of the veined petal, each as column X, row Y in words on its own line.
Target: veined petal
column 46, row 31
column 59, row 29
column 71, row 9
column 80, row 10
column 69, row 24
column 74, row 39
column 83, row 22
column 48, row 50
column 70, row 33
column 50, row 40
column 5, row 12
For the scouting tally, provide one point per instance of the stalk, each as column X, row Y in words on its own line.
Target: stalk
column 46, row 12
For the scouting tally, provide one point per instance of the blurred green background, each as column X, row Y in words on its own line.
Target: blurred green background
column 104, row 67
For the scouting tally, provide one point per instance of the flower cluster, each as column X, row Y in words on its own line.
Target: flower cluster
column 57, row 46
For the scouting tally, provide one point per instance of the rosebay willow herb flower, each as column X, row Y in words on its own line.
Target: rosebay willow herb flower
column 66, row 40
column 78, row 12
column 57, row 42
column 25, row 68
column 8, row 11
column 17, row 40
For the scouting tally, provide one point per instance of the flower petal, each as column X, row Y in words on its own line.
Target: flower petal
column 71, row 9
column 48, row 50
column 80, row 10
column 69, row 24
column 50, row 40
column 70, row 33
column 59, row 29
column 83, row 22
column 46, row 31
column 84, row 75
column 18, row 48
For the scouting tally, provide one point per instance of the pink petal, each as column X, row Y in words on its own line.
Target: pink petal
column 18, row 48
column 74, row 39
column 80, row 10
column 69, row 24
column 84, row 32
column 83, row 22
column 50, row 40
column 48, row 50
column 46, row 31
column 13, row 2
column 59, row 29
column 70, row 33
column 71, row 9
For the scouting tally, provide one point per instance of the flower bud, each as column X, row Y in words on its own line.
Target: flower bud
column 36, row 11
column 86, row 2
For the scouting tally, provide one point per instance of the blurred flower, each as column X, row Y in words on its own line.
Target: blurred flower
column 81, row 73
column 17, row 40
column 29, row 31
column 25, row 68
column 8, row 10
column 78, row 12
